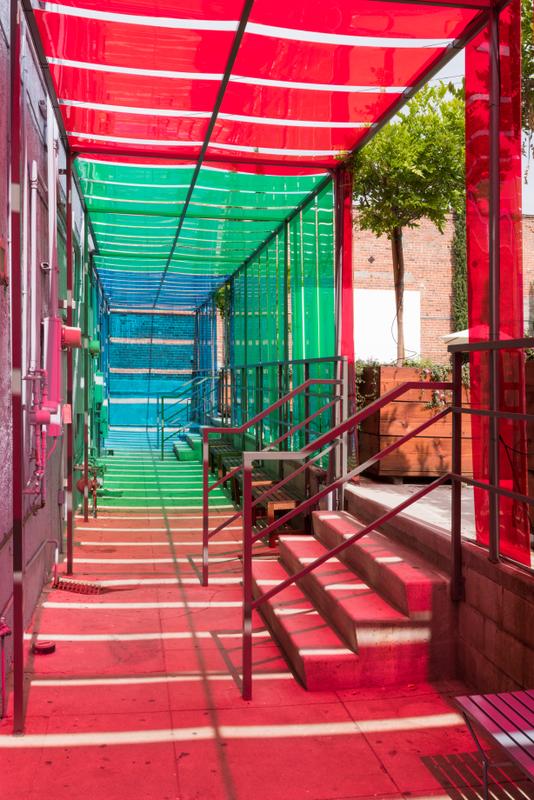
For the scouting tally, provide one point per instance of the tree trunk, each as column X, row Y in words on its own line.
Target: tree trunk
column 398, row 276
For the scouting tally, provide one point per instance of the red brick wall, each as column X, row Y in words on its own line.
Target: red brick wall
column 427, row 256
column 528, row 271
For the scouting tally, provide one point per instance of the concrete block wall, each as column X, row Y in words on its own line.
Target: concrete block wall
column 41, row 521
column 496, row 625
column 149, row 355
column 495, row 621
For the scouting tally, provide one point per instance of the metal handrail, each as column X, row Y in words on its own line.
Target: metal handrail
column 240, row 429
column 249, row 603
column 186, row 407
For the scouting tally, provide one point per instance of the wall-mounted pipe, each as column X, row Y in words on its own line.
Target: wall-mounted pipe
column 70, row 372
column 34, row 324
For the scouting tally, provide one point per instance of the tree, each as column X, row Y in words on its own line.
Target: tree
column 413, row 169
column 527, row 71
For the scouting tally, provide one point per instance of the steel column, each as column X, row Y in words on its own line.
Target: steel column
column 344, row 308
column 205, row 507
column 494, row 275
column 247, row 578
column 457, row 588
column 17, row 418
column 86, row 369
column 70, row 371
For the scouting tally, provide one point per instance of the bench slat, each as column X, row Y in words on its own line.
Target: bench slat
column 514, row 741
column 524, row 712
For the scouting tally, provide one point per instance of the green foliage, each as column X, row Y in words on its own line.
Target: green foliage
column 222, row 300
column 414, row 167
column 459, row 272
column 527, row 66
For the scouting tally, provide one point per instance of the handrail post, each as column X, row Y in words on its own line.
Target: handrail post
column 457, row 587
column 342, row 450
column 258, row 403
column 244, row 402
column 280, row 418
column 205, row 507
column 247, row 578
column 307, row 488
column 162, row 428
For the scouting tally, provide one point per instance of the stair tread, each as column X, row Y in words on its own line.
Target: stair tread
column 309, row 632
column 360, row 602
column 397, row 558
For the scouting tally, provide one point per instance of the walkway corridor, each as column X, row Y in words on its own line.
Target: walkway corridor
column 141, row 699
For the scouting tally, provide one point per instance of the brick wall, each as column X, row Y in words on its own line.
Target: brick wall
column 428, row 265
column 528, row 271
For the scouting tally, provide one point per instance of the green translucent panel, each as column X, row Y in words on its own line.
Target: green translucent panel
column 154, row 174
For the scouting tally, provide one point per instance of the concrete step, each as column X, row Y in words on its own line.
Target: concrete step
column 400, row 576
column 392, row 648
column 315, row 652
column 194, row 441
column 183, row 452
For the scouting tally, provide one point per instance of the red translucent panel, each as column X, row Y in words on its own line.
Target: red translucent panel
column 514, row 524
column 141, row 46
column 93, row 145
column 178, row 9
column 305, row 138
column 258, row 169
column 294, row 155
column 133, row 90
column 278, row 59
column 83, row 120
column 365, row 18
column 306, row 104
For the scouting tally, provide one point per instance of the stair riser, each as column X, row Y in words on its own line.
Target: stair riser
column 316, row 672
column 393, row 660
column 389, row 585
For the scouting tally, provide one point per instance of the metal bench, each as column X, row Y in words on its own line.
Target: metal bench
column 217, row 450
column 259, row 477
column 508, row 719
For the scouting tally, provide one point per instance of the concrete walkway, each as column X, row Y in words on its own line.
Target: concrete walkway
column 141, row 699
column 434, row 509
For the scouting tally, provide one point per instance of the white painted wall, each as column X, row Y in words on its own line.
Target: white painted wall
column 375, row 327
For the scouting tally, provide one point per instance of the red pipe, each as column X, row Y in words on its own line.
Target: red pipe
column 69, row 426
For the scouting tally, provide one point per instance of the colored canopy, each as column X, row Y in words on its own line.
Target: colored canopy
column 245, row 107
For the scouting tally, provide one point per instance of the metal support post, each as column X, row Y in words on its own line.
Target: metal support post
column 205, row 508
column 70, row 372
column 457, row 587
column 494, row 277
column 258, row 406
column 162, row 428
column 247, row 578
column 244, row 402
column 86, row 370
column 17, row 464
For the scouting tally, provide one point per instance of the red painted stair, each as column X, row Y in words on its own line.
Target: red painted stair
column 378, row 615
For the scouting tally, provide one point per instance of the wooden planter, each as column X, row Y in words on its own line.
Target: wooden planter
column 424, row 456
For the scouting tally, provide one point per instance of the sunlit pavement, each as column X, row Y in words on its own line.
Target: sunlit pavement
column 141, row 700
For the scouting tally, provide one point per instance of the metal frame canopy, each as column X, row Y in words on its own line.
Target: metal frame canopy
column 199, row 126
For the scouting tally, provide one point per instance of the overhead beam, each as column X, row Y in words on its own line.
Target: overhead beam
column 240, row 32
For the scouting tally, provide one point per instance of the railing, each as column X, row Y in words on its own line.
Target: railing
column 237, row 430
column 247, row 389
column 493, row 486
column 194, row 404
column 249, row 537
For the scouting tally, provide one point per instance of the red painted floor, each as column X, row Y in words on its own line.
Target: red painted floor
column 141, row 699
